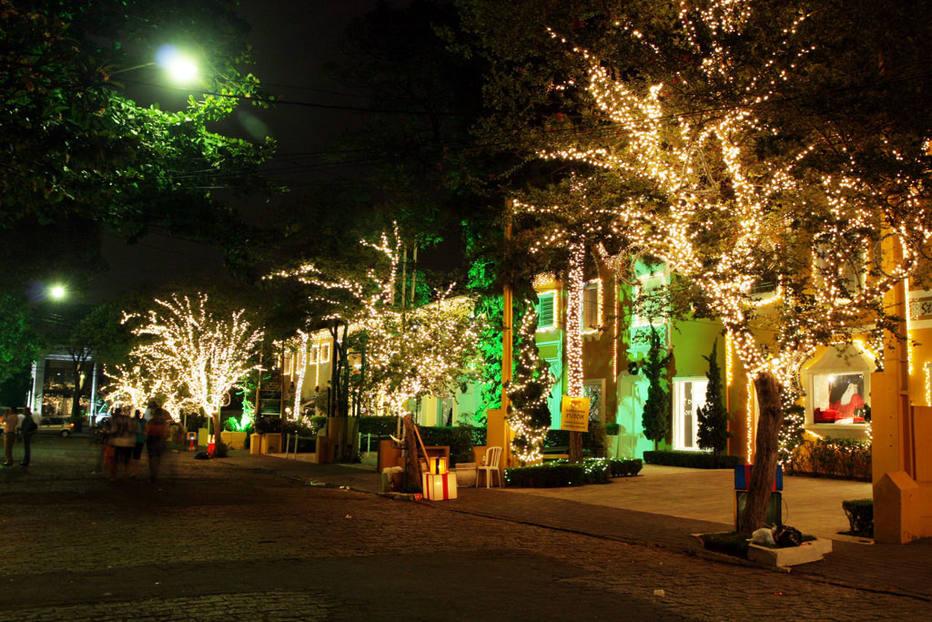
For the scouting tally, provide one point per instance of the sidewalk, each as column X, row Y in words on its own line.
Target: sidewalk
column 896, row 569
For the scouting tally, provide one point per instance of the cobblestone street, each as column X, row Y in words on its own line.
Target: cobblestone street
column 230, row 540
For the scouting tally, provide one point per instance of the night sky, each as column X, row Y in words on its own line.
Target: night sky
column 295, row 44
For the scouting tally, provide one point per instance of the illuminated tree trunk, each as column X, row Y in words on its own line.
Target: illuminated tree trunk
column 765, row 453
column 574, row 354
column 300, row 369
column 218, row 432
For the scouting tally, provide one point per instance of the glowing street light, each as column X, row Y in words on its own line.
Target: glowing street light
column 57, row 292
column 180, row 67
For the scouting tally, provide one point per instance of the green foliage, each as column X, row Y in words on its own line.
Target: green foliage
column 548, row 475
column 691, row 459
column 489, row 305
column 625, row 468
column 380, row 427
column 713, row 418
column 77, row 144
column 791, row 432
column 19, row 343
column 833, row 457
column 267, row 424
column 656, row 416
column 860, row 513
column 592, row 441
column 529, row 411
column 460, row 440
column 561, row 473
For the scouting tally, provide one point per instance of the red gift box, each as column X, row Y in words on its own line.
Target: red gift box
column 439, row 486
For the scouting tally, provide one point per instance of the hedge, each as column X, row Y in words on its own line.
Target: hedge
column 562, row 473
column 593, row 440
column 625, row 468
column 378, row 426
column 695, row 460
column 460, row 439
column 832, row 457
column 550, row 475
column 860, row 513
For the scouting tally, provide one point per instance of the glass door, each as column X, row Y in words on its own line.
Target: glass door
column 688, row 397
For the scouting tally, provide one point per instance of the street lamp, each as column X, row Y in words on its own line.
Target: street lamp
column 57, row 292
column 180, row 67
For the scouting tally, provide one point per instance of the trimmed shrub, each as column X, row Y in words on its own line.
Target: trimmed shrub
column 860, row 513
column 593, row 440
column 461, row 440
column 550, row 475
column 625, row 468
column 691, row 459
column 267, row 424
column 378, row 426
column 833, row 457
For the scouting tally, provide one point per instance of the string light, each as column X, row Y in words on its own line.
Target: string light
column 729, row 217
column 529, row 390
column 927, row 369
column 409, row 353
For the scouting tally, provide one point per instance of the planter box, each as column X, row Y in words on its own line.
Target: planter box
column 234, row 440
column 255, row 442
column 270, row 443
column 465, row 474
column 805, row 553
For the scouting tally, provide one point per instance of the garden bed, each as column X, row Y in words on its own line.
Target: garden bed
column 559, row 474
column 691, row 459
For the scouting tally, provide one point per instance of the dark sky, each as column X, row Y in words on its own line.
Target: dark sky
column 294, row 42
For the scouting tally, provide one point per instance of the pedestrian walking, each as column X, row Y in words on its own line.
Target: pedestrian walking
column 28, row 427
column 156, row 433
column 140, row 427
column 123, row 440
column 10, row 423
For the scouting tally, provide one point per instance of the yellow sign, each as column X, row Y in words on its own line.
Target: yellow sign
column 574, row 414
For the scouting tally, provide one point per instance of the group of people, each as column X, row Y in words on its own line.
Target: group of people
column 26, row 424
column 127, row 433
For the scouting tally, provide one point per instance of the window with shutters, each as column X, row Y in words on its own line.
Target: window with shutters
column 592, row 307
column 546, row 310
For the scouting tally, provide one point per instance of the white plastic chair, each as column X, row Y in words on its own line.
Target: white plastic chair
column 493, row 455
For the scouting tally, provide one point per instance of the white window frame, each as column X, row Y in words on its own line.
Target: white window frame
column 810, row 396
column 588, row 330
column 551, row 293
column 678, row 428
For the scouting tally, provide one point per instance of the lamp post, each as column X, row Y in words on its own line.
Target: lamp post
column 181, row 68
column 57, row 292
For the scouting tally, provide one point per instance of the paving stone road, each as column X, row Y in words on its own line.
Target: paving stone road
column 219, row 540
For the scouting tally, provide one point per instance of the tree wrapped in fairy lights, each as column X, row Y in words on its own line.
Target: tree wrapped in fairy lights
column 733, row 203
column 529, row 390
column 406, row 352
column 184, row 343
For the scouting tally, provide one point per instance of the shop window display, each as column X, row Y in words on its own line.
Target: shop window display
column 839, row 399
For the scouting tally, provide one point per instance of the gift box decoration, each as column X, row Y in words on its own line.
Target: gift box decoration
column 438, row 466
column 743, row 478
column 439, row 486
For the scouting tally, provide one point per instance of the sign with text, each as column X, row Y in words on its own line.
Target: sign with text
column 574, row 414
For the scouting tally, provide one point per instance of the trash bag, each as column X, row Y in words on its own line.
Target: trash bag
column 763, row 537
column 786, row 536
column 201, row 455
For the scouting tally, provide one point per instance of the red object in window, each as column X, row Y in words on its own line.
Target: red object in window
column 829, row 415
column 847, row 410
